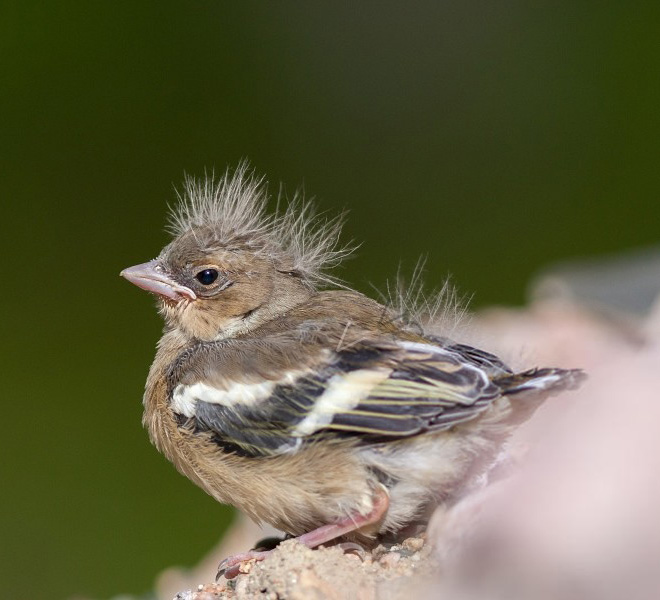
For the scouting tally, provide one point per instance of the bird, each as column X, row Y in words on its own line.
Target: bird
column 280, row 390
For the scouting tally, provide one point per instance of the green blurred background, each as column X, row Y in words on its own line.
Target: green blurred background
column 495, row 137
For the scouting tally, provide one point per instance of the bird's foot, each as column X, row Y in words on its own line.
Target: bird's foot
column 231, row 567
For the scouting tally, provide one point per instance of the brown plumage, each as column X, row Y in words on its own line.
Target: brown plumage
column 323, row 413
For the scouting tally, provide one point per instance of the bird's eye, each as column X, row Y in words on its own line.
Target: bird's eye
column 207, row 276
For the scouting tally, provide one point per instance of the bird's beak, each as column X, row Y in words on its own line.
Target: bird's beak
column 152, row 277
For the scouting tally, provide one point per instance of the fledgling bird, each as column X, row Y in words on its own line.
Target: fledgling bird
column 319, row 411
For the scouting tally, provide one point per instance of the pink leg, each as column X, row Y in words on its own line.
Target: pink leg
column 230, row 567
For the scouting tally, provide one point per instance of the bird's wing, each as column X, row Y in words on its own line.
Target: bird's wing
column 370, row 392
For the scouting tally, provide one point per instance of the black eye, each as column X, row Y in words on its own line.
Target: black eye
column 207, row 276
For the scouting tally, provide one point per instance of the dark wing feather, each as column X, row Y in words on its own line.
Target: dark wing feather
column 430, row 388
column 416, row 388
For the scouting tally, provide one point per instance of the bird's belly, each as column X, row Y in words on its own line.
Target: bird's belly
column 294, row 493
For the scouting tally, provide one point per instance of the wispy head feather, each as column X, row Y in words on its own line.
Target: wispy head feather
column 232, row 210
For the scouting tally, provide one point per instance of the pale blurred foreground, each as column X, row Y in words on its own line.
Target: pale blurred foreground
column 579, row 519
column 577, row 515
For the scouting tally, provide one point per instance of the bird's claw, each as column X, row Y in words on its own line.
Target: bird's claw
column 352, row 548
column 230, row 567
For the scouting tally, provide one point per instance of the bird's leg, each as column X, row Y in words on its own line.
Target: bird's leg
column 230, row 567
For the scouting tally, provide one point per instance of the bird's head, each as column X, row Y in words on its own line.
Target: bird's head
column 231, row 266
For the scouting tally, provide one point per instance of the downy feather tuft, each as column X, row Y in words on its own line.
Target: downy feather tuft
column 436, row 313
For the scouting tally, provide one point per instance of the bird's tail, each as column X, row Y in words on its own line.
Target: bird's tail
column 529, row 389
column 545, row 381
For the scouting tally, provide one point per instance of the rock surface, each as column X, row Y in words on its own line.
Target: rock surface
column 298, row 573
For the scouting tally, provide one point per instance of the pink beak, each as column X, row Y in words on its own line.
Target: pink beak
column 152, row 277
